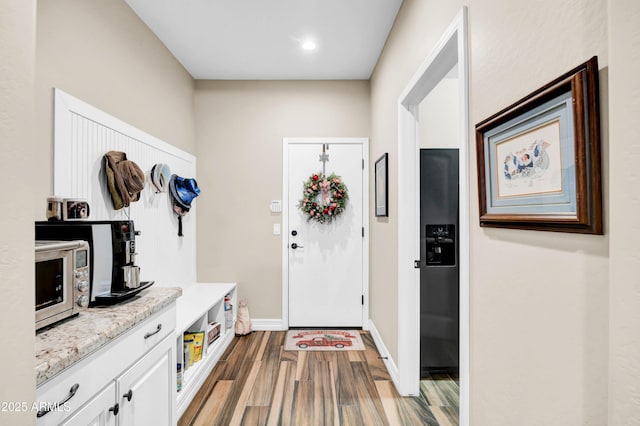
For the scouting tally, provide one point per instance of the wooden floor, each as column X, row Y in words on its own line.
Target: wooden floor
column 257, row 382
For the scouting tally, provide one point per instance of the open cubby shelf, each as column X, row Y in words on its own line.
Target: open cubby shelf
column 199, row 305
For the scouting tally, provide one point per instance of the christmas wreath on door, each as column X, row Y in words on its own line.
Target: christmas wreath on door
column 324, row 197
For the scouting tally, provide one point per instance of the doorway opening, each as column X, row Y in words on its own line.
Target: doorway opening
column 439, row 263
column 447, row 60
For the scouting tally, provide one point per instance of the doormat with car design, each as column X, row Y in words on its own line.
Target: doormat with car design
column 323, row 340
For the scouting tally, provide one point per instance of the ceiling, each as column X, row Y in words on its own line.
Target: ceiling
column 261, row 39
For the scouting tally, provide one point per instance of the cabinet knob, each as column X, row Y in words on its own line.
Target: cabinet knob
column 128, row 395
column 115, row 409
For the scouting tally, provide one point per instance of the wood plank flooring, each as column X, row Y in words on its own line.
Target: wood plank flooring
column 257, row 382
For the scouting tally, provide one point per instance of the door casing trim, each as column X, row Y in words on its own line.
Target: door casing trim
column 285, row 220
column 451, row 49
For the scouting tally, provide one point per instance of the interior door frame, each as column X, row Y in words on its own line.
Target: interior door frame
column 451, row 50
column 285, row 220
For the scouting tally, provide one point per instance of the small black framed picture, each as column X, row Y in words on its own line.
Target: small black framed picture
column 382, row 186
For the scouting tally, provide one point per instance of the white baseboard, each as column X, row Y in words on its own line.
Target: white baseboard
column 392, row 368
column 267, row 324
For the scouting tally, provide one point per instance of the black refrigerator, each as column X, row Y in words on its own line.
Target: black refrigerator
column 439, row 263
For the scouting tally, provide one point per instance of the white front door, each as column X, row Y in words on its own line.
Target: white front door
column 325, row 260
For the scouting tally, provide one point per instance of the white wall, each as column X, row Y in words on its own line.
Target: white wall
column 439, row 119
column 546, row 330
column 17, row 322
column 239, row 127
column 624, row 284
column 417, row 28
column 101, row 52
column 539, row 300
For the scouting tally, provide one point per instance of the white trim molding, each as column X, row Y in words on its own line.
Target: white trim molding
column 268, row 324
column 392, row 368
column 451, row 50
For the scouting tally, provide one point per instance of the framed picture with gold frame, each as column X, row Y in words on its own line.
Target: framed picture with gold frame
column 539, row 159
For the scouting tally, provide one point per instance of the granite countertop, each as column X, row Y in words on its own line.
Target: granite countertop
column 62, row 345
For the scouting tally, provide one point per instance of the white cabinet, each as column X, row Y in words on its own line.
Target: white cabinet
column 96, row 411
column 95, row 391
column 200, row 305
column 146, row 389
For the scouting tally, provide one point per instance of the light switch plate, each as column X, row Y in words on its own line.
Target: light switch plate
column 276, row 229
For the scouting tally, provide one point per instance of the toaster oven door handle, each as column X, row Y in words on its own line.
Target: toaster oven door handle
column 158, row 328
column 72, row 393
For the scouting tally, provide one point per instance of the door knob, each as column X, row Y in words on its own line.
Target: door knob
column 294, row 232
column 295, row 246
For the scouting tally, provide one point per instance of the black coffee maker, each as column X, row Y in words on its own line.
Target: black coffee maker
column 113, row 271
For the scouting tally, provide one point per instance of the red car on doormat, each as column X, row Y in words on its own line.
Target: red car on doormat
column 326, row 340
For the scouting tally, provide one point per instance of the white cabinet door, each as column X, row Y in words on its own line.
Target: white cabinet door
column 96, row 411
column 146, row 392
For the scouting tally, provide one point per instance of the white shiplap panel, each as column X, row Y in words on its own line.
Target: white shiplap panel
column 83, row 134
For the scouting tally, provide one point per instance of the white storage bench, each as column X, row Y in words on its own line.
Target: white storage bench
column 199, row 305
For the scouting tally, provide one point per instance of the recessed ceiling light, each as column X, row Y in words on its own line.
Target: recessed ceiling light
column 308, row 45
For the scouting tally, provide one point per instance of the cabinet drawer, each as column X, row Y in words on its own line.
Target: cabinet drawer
column 94, row 372
column 146, row 335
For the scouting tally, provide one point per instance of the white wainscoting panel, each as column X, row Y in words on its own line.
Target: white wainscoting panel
column 82, row 135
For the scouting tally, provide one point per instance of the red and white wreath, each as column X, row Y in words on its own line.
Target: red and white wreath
column 324, row 197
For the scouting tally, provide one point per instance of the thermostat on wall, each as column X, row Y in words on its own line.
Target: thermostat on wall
column 276, row 206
